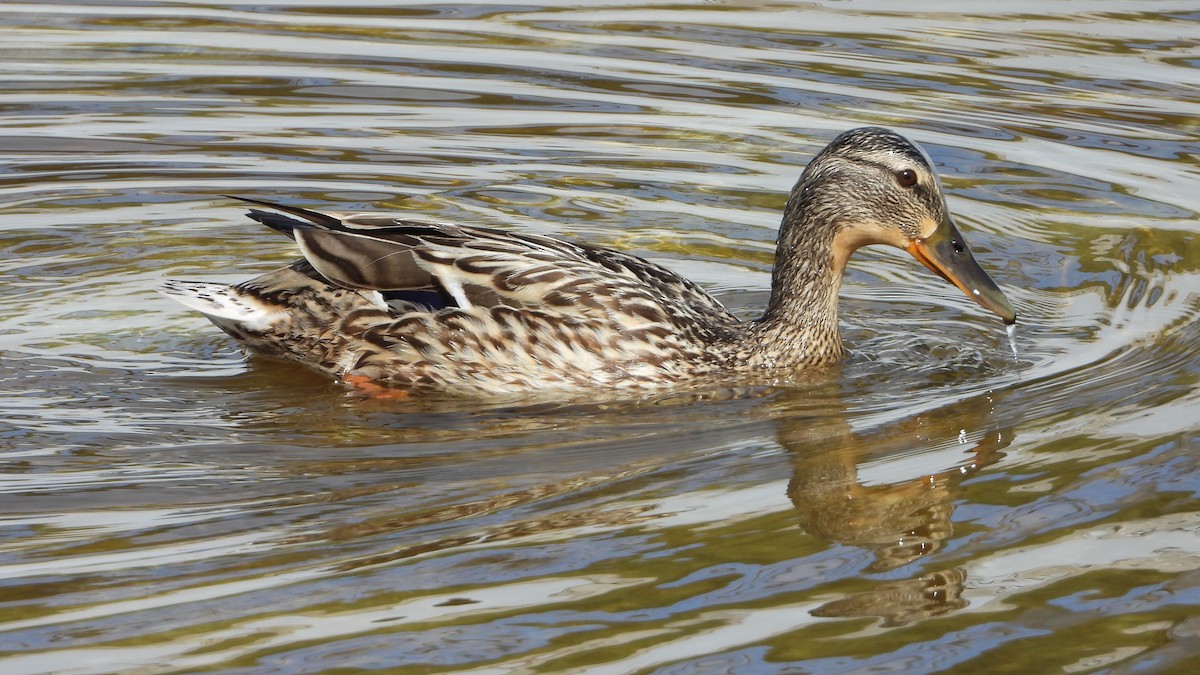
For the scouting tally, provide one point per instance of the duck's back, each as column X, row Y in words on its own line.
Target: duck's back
column 412, row 303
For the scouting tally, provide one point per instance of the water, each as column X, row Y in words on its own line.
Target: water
column 935, row 504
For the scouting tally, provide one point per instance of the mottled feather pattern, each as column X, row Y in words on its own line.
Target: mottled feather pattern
column 418, row 304
column 503, row 349
column 309, row 321
column 543, row 313
column 516, row 270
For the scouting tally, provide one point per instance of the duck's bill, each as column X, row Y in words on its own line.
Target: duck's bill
column 946, row 253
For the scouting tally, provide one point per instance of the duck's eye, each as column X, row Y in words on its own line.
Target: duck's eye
column 906, row 177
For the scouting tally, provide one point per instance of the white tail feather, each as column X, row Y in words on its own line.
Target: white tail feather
column 220, row 301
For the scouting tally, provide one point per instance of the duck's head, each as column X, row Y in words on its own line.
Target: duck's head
column 874, row 186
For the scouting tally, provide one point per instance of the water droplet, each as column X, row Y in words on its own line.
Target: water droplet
column 1011, row 329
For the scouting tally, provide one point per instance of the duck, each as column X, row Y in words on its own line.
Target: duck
column 400, row 303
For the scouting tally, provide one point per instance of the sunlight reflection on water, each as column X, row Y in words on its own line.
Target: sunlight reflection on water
column 170, row 506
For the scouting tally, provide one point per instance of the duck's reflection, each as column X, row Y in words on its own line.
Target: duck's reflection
column 900, row 521
column 901, row 602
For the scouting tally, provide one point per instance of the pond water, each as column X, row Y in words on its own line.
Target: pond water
column 935, row 504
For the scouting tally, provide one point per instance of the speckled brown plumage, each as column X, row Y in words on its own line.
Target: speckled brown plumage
column 416, row 304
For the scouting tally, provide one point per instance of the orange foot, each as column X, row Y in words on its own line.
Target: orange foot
column 368, row 387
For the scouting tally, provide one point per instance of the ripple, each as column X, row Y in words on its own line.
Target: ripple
column 169, row 502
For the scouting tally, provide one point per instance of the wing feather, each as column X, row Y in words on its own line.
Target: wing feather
column 497, row 268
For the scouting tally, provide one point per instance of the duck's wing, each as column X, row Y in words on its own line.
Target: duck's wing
column 477, row 266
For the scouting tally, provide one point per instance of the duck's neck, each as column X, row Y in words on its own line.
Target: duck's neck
column 800, row 327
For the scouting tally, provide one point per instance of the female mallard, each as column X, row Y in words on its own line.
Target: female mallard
column 388, row 300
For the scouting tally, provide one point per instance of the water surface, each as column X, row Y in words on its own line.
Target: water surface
column 935, row 504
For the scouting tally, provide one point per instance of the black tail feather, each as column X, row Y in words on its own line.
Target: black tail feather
column 315, row 217
column 278, row 221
